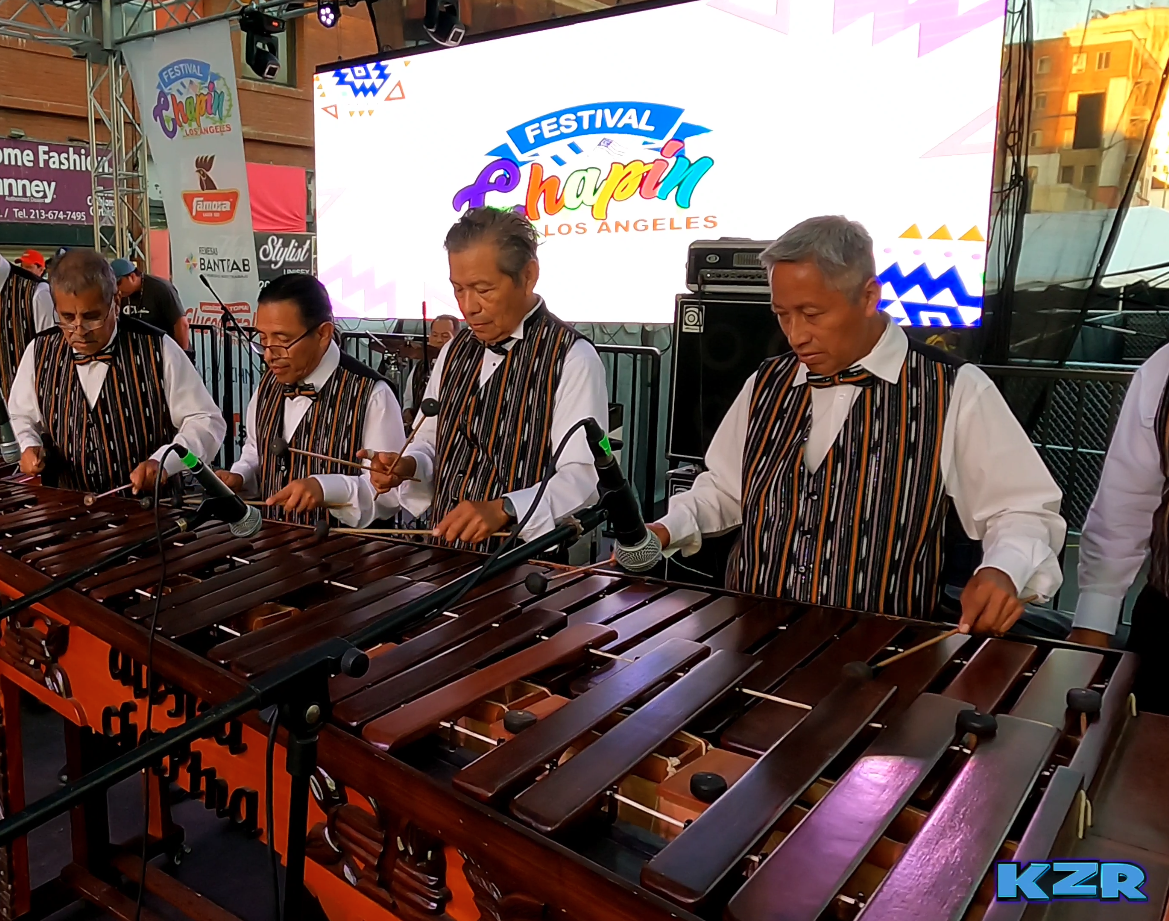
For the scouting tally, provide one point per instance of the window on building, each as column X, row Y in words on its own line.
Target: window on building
column 1040, row 102
column 1036, row 138
column 1079, row 62
column 1089, row 175
column 1043, row 65
column 1068, row 137
column 1103, row 60
column 1089, row 130
column 1067, row 174
column 285, row 50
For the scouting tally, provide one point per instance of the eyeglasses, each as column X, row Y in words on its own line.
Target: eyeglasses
column 86, row 326
column 279, row 351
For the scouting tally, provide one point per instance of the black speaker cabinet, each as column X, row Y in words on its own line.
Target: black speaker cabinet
column 719, row 341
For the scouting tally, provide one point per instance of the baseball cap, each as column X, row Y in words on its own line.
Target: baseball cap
column 123, row 267
column 32, row 257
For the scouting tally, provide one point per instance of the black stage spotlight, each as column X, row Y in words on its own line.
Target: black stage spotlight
column 261, row 49
column 328, row 12
column 442, row 22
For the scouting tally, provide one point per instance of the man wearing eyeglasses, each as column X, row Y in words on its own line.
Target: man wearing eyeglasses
column 97, row 399
column 320, row 400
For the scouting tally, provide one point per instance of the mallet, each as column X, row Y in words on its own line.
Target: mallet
column 90, row 499
column 280, row 448
column 428, row 407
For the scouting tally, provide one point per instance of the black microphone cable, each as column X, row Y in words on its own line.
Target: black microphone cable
column 150, row 677
column 522, row 523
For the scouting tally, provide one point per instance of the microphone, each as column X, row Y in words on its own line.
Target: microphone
column 244, row 520
column 9, row 447
column 638, row 548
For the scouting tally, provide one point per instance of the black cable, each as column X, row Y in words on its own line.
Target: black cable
column 519, row 525
column 269, row 783
column 150, row 678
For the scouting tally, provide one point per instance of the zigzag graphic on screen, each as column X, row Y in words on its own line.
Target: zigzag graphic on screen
column 930, row 285
column 363, row 79
column 940, row 21
column 362, row 282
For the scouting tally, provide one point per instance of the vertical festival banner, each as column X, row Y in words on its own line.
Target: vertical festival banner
column 189, row 109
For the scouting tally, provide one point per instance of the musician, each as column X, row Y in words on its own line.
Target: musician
column 1127, row 523
column 319, row 399
column 442, row 331
column 510, row 386
column 26, row 308
column 841, row 459
column 101, row 397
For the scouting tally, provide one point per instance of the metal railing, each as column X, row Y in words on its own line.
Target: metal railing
column 232, row 371
column 1069, row 415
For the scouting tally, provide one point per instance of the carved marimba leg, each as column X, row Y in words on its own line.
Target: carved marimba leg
column 14, row 882
column 497, row 899
column 418, row 878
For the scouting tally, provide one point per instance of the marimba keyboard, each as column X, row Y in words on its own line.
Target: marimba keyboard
column 705, row 747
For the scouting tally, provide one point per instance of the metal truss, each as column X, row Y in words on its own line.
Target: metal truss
column 97, row 30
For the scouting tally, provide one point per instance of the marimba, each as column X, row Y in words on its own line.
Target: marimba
column 610, row 747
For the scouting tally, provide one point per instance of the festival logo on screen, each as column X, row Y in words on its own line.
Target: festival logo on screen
column 193, row 99
column 210, row 205
column 598, row 161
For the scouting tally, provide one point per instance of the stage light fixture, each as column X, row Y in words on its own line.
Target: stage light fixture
column 442, row 22
column 261, row 49
column 328, row 12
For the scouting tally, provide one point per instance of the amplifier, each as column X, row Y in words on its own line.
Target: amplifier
column 719, row 341
column 726, row 265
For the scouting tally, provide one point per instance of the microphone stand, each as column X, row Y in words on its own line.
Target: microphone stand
column 300, row 687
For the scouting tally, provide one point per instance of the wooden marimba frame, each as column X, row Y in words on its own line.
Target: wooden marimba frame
column 615, row 748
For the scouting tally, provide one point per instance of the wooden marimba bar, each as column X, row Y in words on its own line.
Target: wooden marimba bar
column 612, row 748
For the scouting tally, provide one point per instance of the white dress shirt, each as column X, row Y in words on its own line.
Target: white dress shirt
column 358, row 503
column 43, row 311
column 1115, row 540
column 581, row 393
column 1000, row 488
column 199, row 424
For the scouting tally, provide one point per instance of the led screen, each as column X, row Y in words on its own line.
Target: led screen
column 625, row 137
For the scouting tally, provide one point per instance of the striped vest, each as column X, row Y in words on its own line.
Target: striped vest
column 497, row 439
column 865, row 530
column 334, row 425
column 96, row 449
column 1159, row 540
column 17, row 321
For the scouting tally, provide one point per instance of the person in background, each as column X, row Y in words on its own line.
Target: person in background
column 32, row 261
column 510, row 386
column 26, row 308
column 152, row 300
column 442, row 331
column 98, row 398
column 842, row 459
column 317, row 398
column 1127, row 524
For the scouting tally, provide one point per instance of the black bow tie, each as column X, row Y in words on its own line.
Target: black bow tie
column 104, row 356
column 856, row 375
column 498, row 347
column 300, row 390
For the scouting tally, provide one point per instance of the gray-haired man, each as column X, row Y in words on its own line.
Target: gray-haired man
column 842, row 459
column 97, row 400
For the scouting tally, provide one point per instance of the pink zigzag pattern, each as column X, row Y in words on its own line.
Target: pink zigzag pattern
column 377, row 297
column 940, row 21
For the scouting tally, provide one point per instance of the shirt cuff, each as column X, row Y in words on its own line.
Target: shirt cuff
column 1036, row 573
column 243, row 469
column 29, row 440
column 173, row 465
column 685, row 535
column 1095, row 611
column 417, row 497
column 340, row 490
column 541, row 521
